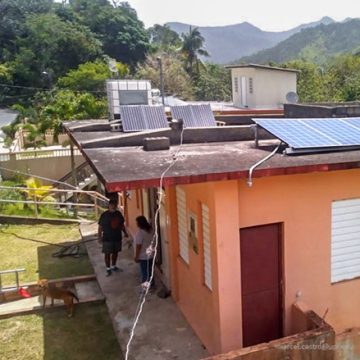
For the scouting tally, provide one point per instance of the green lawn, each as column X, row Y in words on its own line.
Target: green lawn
column 52, row 335
column 37, row 258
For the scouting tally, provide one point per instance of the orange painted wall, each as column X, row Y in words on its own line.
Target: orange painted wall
column 303, row 204
column 133, row 210
column 197, row 302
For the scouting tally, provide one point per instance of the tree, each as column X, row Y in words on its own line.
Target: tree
column 310, row 80
column 12, row 24
column 213, row 83
column 69, row 105
column 176, row 80
column 342, row 79
column 163, row 37
column 122, row 34
column 90, row 76
column 52, row 46
column 192, row 49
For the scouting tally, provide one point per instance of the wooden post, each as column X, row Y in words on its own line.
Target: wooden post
column 96, row 207
column 73, row 171
column 36, row 207
column 17, row 279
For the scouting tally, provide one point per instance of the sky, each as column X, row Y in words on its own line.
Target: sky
column 270, row 15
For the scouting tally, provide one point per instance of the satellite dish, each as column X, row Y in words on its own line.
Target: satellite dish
column 292, row 97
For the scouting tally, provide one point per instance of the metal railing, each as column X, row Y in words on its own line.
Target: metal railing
column 16, row 272
column 38, row 153
column 95, row 203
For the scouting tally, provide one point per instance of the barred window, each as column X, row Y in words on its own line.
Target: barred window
column 251, row 86
column 236, row 84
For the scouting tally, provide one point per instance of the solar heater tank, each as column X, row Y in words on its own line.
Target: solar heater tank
column 127, row 92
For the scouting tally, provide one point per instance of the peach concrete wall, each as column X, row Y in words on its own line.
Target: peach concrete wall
column 198, row 304
column 133, row 209
column 228, row 264
column 303, row 204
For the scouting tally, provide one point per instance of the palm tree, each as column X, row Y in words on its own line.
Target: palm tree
column 192, row 48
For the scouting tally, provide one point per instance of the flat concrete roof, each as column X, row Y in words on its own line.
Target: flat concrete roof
column 121, row 165
column 262, row 67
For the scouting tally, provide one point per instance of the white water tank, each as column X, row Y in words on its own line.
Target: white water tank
column 127, row 92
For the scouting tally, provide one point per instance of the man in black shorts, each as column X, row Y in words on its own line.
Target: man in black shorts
column 111, row 226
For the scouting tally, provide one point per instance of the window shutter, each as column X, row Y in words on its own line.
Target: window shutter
column 206, row 241
column 182, row 228
column 345, row 240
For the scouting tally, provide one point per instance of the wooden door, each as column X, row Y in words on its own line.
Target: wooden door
column 261, row 279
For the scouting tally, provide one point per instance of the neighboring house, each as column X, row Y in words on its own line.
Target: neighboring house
column 236, row 258
column 259, row 86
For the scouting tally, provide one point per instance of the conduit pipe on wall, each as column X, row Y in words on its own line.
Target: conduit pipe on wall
column 250, row 182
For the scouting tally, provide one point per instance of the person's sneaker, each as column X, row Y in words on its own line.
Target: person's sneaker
column 115, row 268
column 108, row 272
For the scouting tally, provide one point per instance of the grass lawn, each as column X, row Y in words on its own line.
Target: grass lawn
column 37, row 258
column 53, row 336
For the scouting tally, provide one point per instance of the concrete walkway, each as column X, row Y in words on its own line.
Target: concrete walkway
column 162, row 332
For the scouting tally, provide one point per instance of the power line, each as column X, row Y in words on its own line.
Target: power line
column 154, row 245
column 51, row 90
column 57, row 182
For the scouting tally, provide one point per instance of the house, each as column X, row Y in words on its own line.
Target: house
column 260, row 86
column 237, row 257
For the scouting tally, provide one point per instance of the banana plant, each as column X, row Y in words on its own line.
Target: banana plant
column 38, row 192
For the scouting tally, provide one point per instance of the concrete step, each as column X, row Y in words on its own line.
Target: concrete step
column 88, row 291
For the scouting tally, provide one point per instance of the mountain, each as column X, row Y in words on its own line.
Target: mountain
column 315, row 44
column 227, row 43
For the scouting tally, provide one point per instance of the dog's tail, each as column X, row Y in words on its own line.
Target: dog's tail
column 74, row 296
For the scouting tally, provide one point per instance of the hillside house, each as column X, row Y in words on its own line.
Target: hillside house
column 259, row 86
column 237, row 257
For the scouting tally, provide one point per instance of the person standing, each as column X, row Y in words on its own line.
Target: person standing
column 111, row 226
column 144, row 252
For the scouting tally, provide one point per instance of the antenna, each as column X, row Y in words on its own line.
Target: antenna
column 292, row 97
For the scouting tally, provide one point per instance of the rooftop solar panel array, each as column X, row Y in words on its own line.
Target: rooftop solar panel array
column 143, row 117
column 305, row 134
column 194, row 115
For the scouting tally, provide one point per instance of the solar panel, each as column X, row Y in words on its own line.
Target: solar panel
column 305, row 134
column 203, row 115
column 143, row 117
column 194, row 115
column 155, row 117
column 183, row 112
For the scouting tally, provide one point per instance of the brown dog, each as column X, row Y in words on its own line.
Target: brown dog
column 58, row 293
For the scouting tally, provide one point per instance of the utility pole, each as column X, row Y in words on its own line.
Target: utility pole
column 161, row 79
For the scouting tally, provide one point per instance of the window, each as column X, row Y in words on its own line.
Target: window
column 182, row 228
column 345, row 240
column 206, row 245
column 193, row 232
column 251, row 85
column 236, row 84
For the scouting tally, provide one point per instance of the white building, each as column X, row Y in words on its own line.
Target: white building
column 259, row 86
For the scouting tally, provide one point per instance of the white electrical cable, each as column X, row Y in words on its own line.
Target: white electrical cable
column 38, row 177
column 44, row 178
column 154, row 244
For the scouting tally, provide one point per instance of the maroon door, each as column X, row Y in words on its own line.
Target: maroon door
column 261, row 283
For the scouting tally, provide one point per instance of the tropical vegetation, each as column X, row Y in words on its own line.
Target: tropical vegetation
column 55, row 57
